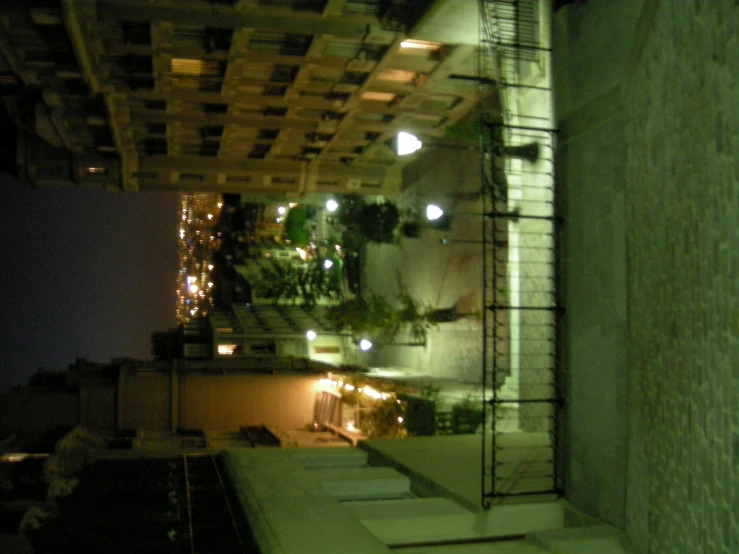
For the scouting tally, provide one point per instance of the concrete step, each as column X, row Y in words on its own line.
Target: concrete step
column 415, row 520
column 589, row 539
column 361, row 483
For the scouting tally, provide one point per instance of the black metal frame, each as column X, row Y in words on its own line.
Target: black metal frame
column 516, row 465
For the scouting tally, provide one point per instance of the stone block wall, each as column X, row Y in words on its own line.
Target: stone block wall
column 648, row 105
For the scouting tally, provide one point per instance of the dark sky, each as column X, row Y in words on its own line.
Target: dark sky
column 85, row 273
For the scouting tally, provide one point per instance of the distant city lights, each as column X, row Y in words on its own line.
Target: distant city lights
column 196, row 245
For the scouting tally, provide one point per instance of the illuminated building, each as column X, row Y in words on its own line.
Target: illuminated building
column 250, row 96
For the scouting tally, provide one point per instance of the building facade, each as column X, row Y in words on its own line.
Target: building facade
column 279, row 97
column 262, row 330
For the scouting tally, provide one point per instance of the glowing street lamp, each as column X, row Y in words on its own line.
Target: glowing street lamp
column 433, row 212
column 311, row 335
column 328, row 264
column 406, row 143
column 281, row 210
column 332, row 205
column 364, row 345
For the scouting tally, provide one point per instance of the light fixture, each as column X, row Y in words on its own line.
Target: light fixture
column 433, row 212
column 332, row 205
column 407, row 143
column 365, row 345
column 281, row 210
column 311, row 335
column 420, row 45
column 328, row 264
column 378, row 96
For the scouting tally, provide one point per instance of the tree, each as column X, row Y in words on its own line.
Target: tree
column 302, row 284
column 372, row 317
column 296, row 226
column 376, row 318
column 374, row 222
column 377, row 222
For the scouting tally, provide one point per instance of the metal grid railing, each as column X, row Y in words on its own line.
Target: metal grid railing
column 520, row 392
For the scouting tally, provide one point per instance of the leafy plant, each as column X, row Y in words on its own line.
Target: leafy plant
column 373, row 317
column 376, row 318
column 466, row 416
column 296, row 226
column 302, row 284
column 430, row 392
column 377, row 222
column 373, row 222
column 383, row 420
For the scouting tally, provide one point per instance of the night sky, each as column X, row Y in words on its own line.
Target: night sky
column 85, row 273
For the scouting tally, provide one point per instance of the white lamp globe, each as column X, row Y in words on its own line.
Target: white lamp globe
column 433, row 212
column 332, row 205
column 407, row 143
column 365, row 345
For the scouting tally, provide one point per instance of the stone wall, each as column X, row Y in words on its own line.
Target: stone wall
column 647, row 102
column 682, row 206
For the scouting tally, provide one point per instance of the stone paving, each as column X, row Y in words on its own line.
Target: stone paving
column 682, row 202
column 438, row 275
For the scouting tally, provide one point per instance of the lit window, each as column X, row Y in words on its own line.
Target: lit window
column 182, row 66
column 378, row 96
column 101, row 170
column 226, row 349
column 410, row 44
column 397, row 76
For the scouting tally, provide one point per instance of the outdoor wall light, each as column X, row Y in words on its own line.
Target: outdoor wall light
column 365, row 345
column 328, row 264
column 433, row 212
column 311, row 335
column 332, row 205
column 281, row 210
column 406, row 143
